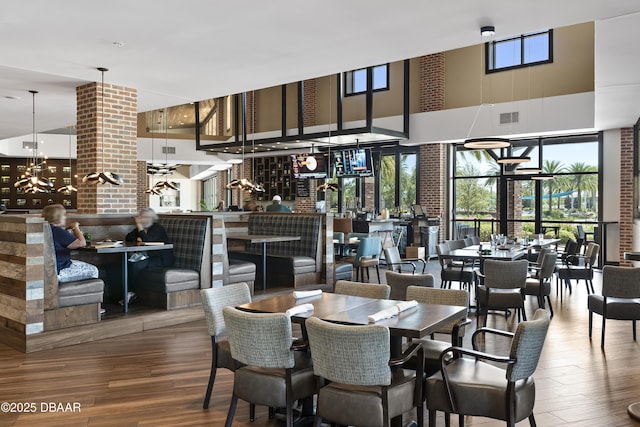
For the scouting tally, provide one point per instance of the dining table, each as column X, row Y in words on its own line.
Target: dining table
column 417, row 322
column 263, row 240
column 125, row 248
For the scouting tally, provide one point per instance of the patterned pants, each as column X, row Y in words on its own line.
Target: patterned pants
column 78, row 270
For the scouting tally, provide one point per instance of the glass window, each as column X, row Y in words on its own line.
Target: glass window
column 388, row 182
column 356, row 80
column 520, row 51
column 349, row 194
column 408, row 177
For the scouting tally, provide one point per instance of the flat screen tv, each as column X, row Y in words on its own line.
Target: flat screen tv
column 354, row 162
column 308, row 166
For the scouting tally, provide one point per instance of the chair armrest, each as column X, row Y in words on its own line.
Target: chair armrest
column 489, row 331
column 408, row 354
column 456, row 336
column 403, row 263
column 300, row 345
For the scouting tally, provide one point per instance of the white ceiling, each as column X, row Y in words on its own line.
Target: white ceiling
column 175, row 52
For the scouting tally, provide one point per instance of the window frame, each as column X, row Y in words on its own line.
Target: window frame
column 346, row 79
column 490, row 48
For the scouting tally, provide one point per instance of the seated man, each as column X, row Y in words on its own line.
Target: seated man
column 67, row 237
column 277, row 205
column 148, row 230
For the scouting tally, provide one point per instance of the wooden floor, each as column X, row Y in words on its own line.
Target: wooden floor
column 158, row 377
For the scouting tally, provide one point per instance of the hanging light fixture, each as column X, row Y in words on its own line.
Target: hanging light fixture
column 69, row 188
column 489, row 142
column 30, row 181
column 103, row 177
column 243, row 184
column 328, row 186
column 524, row 171
column 152, row 190
column 542, row 177
column 513, row 160
column 166, row 184
column 255, row 187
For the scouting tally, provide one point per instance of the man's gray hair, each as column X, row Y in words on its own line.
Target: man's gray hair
column 151, row 212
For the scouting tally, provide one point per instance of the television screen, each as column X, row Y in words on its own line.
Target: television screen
column 308, row 166
column 355, row 162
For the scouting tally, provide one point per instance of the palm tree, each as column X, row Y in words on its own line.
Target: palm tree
column 582, row 182
column 553, row 167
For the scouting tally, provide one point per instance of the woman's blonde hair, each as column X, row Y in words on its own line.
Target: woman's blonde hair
column 53, row 214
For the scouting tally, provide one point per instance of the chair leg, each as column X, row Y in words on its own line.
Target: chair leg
column 212, row 379
column 532, row 420
column 524, row 313
column 378, row 273
column 420, row 413
column 460, row 420
column 317, row 421
column 634, row 329
column 252, row 412
column 604, row 321
column 590, row 322
column 232, row 411
column 591, row 284
column 447, row 419
column 432, row 418
column 550, row 306
column 272, row 412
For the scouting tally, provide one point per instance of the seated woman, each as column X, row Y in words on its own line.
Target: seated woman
column 67, row 237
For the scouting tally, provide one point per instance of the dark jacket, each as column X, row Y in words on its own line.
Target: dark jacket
column 155, row 233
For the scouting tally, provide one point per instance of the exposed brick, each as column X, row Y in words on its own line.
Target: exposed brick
column 626, row 193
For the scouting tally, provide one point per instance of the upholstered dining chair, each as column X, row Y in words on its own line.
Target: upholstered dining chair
column 620, row 299
column 454, row 271
column 432, row 348
column 262, row 342
column 367, row 387
column 399, row 283
column 540, row 285
column 395, row 263
column 213, row 301
column 367, row 255
column 471, row 386
column 503, row 288
column 358, row 289
column 580, row 267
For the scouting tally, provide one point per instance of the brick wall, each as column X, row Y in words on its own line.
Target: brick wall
column 626, row 193
column 369, row 195
column 514, row 190
column 432, row 93
column 433, row 181
column 142, row 184
column 119, row 152
column 309, row 105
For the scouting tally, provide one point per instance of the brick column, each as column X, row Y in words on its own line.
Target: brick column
column 626, row 193
column 120, row 152
column 309, row 106
column 431, row 92
column 514, row 194
column 142, row 184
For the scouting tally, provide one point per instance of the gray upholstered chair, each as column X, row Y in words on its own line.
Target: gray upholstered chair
column 358, row 289
column 540, row 285
column 503, row 288
column 454, row 271
column 534, row 266
column 395, row 263
column 456, row 244
column 213, row 301
column 271, row 375
column 471, row 386
column 399, row 283
column 364, row 389
column 620, row 299
column 580, row 267
column 433, row 348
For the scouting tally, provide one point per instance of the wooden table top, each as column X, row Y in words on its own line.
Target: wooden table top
column 126, row 247
column 416, row 322
column 262, row 238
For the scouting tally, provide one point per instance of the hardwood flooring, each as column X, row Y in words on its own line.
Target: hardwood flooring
column 158, row 377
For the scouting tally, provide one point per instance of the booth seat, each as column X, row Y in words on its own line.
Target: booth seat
column 236, row 270
column 70, row 303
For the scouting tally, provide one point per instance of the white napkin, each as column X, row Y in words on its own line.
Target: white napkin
column 302, row 308
column 306, row 294
column 406, row 305
column 387, row 313
column 392, row 311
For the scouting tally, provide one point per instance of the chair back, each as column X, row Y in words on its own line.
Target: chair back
column 581, row 234
column 548, row 265
column 541, row 255
column 456, row 244
column 468, row 241
column 353, row 355
column 620, row 282
column 591, row 254
column 505, row 274
column 393, row 259
column 215, row 299
column 343, row 225
column 399, row 283
column 339, row 236
column 368, row 247
column 259, row 339
column 475, row 239
column 458, row 297
column 442, row 249
column 358, row 289
column 527, row 345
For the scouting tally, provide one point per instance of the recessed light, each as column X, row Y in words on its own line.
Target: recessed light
column 12, row 97
column 181, row 123
column 278, row 142
column 185, row 116
column 118, row 44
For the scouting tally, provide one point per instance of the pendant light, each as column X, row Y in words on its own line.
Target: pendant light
column 152, row 190
column 255, row 186
column 513, row 160
column 489, row 142
column 523, row 171
column 30, row 181
column 242, row 184
column 326, row 186
column 166, row 184
column 69, row 188
column 103, row 177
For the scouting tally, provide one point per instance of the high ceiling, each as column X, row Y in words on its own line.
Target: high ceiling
column 204, row 49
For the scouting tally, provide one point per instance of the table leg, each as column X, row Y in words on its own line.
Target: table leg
column 125, row 283
column 264, row 266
